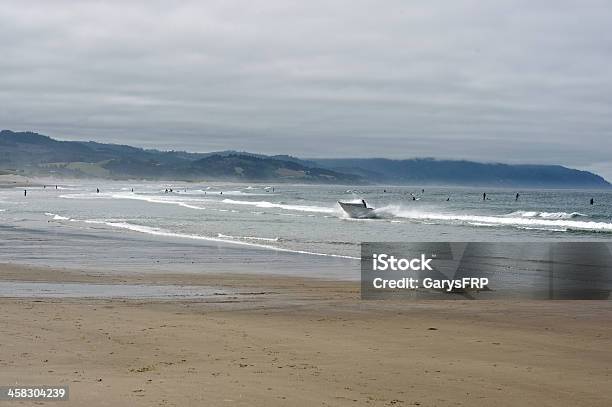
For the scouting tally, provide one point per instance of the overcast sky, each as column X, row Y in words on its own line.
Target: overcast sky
column 511, row 81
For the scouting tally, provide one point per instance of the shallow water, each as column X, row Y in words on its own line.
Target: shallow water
column 306, row 218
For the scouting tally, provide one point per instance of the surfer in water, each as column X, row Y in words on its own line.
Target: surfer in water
column 97, row 190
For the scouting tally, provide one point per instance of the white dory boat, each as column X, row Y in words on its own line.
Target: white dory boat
column 357, row 210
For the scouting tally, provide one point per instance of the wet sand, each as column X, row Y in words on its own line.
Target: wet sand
column 286, row 341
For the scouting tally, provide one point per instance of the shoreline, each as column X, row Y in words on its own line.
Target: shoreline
column 301, row 342
column 16, row 181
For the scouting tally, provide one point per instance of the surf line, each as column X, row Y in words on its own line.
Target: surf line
column 161, row 232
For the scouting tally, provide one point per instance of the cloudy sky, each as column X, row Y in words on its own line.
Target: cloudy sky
column 512, row 81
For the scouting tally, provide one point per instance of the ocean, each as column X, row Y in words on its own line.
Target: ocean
column 303, row 219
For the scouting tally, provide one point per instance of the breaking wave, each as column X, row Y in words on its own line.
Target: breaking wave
column 162, row 232
column 263, row 239
column 56, row 217
column 554, row 221
column 171, row 200
column 547, row 215
column 269, row 205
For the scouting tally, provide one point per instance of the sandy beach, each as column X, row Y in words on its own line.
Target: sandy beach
column 287, row 341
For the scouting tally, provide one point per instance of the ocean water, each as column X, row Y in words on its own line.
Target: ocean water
column 306, row 218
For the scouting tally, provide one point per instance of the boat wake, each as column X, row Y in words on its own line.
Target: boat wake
column 547, row 215
column 551, row 221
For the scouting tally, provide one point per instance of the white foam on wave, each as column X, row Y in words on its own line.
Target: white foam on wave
column 264, row 239
column 289, row 207
column 201, row 192
column 188, row 202
column 85, row 196
column 160, row 200
column 547, row 215
column 242, row 193
column 161, row 232
column 172, row 200
column 56, row 217
column 517, row 221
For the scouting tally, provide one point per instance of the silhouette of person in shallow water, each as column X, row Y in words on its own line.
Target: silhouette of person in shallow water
column 97, row 190
column 484, row 196
column 25, row 192
column 592, row 201
column 517, row 196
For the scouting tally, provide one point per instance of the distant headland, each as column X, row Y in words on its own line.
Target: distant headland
column 33, row 154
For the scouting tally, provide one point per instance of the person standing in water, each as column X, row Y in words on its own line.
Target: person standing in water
column 592, row 201
column 517, row 196
column 25, row 192
column 484, row 196
column 97, row 190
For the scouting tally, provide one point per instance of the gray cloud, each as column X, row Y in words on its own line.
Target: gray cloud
column 506, row 81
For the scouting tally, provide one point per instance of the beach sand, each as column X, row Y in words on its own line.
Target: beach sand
column 284, row 341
